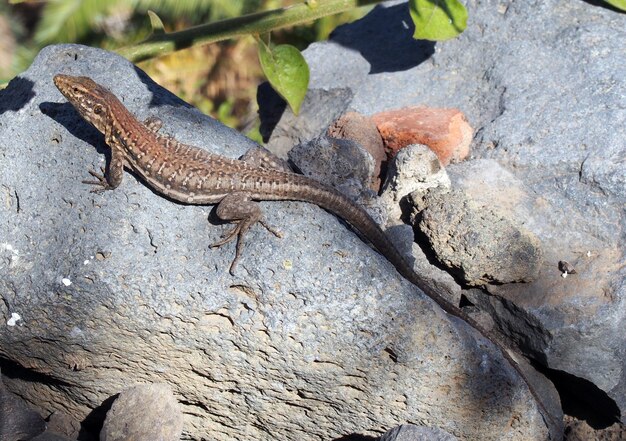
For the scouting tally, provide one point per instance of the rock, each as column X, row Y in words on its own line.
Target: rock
column 50, row 436
column 411, row 432
column 445, row 131
column 556, row 125
column 476, row 242
column 577, row 430
column 559, row 317
column 146, row 412
column 316, row 336
column 361, row 129
column 342, row 163
column 17, row 420
column 63, row 424
column 414, row 169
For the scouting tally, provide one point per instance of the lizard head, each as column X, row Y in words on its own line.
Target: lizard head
column 90, row 99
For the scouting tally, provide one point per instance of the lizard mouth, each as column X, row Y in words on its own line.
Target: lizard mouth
column 64, row 84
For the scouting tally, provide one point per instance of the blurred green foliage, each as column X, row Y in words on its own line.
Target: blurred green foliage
column 106, row 24
column 219, row 79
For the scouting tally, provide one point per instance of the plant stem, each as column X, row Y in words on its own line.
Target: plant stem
column 257, row 23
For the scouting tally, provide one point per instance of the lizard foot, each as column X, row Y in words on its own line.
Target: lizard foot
column 270, row 229
column 153, row 123
column 101, row 183
column 238, row 232
column 238, row 207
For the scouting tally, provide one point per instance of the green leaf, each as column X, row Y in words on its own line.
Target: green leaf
column 287, row 71
column 157, row 24
column 619, row 4
column 437, row 19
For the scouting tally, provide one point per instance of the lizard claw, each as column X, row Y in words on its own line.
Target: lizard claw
column 101, row 183
column 228, row 237
column 237, row 233
column 270, row 229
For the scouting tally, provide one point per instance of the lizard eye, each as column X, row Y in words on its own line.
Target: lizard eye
column 97, row 110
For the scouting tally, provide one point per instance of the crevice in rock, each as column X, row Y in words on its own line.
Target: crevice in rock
column 13, row 370
column 422, row 241
column 464, row 302
column 154, row 246
column 199, row 404
column 392, row 354
column 582, row 399
column 356, row 437
column 17, row 201
column 91, row 426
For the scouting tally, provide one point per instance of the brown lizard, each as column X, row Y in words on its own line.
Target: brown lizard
column 195, row 176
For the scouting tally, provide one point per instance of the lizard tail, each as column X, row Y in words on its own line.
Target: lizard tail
column 308, row 190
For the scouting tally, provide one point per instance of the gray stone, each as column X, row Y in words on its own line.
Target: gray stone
column 50, row 436
column 411, row 432
column 342, row 163
column 63, row 424
column 147, row 412
column 414, row 169
column 315, row 337
column 542, row 83
column 478, row 243
column 362, row 130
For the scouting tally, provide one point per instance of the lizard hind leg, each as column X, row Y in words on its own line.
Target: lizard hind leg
column 238, row 207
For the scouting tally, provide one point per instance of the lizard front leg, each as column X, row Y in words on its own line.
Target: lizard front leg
column 240, row 208
column 112, row 178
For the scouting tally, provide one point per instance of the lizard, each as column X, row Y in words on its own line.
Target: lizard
column 192, row 175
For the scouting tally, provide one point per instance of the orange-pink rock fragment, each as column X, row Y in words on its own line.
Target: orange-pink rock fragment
column 445, row 131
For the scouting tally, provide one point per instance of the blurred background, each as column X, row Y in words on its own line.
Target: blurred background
column 220, row 79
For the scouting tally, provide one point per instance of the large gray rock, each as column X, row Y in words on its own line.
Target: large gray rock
column 543, row 85
column 50, row 436
column 316, row 336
